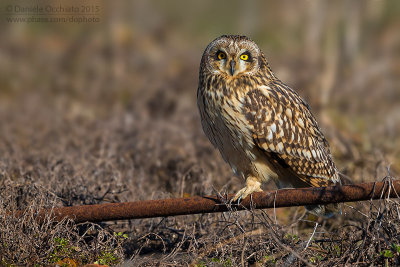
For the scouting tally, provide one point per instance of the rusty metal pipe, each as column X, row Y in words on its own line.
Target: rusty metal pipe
column 208, row 204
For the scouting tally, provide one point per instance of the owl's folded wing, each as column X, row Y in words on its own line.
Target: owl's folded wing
column 282, row 125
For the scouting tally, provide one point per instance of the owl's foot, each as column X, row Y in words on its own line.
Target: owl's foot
column 252, row 185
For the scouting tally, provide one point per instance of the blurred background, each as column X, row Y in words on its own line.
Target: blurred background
column 107, row 111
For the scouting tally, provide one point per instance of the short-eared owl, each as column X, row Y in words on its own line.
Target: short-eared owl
column 262, row 127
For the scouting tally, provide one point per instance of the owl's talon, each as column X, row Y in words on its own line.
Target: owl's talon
column 252, row 185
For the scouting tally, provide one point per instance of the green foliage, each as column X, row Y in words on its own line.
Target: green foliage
column 63, row 253
column 201, row 264
column 292, row 237
column 4, row 263
column 387, row 253
column 269, row 259
column 315, row 259
column 110, row 257
column 221, row 262
column 337, row 250
column 396, row 248
column 107, row 258
column 392, row 252
column 120, row 235
column 62, row 250
column 225, row 262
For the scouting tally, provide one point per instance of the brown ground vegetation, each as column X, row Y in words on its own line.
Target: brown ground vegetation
column 87, row 119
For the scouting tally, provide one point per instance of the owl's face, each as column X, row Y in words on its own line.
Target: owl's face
column 232, row 56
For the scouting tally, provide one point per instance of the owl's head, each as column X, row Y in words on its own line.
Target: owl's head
column 232, row 55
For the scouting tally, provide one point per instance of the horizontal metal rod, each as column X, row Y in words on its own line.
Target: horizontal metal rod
column 208, row 204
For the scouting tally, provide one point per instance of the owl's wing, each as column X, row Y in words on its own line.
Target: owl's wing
column 283, row 126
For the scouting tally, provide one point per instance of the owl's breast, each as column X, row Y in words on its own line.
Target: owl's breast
column 225, row 125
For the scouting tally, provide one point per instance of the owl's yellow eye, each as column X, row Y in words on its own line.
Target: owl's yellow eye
column 244, row 57
column 221, row 55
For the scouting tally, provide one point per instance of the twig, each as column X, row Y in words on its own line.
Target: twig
column 312, row 235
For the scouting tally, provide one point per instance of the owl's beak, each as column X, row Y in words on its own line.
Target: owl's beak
column 232, row 64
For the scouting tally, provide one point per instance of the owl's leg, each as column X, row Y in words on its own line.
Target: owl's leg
column 252, row 185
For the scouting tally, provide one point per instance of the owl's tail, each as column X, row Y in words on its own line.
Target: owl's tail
column 330, row 210
column 325, row 211
column 344, row 179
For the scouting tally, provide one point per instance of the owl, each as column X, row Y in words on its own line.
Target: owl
column 263, row 129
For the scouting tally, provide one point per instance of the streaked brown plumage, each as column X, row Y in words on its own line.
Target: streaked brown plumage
column 262, row 128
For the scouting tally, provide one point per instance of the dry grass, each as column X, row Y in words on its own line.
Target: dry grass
column 87, row 119
column 367, row 234
column 24, row 242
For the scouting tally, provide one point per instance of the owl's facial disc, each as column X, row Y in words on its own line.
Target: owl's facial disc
column 234, row 64
column 233, row 60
